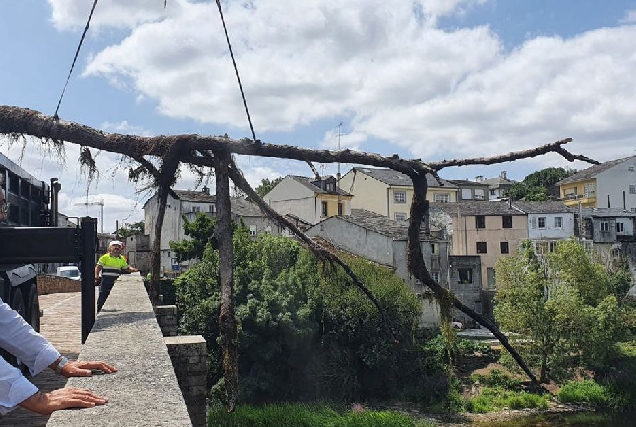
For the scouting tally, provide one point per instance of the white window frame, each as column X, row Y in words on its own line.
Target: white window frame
column 442, row 197
column 253, row 230
column 632, row 189
column 435, row 276
column 604, row 226
column 479, row 194
column 196, row 209
column 399, row 216
column 399, row 196
column 558, row 222
column 540, row 220
column 620, row 227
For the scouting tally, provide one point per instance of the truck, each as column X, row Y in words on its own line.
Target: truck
column 31, row 203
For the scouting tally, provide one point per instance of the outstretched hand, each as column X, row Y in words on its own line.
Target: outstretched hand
column 80, row 368
column 64, row 398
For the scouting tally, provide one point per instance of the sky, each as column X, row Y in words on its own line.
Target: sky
column 428, row 79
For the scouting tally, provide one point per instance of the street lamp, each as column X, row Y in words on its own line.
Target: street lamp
column 99, row 203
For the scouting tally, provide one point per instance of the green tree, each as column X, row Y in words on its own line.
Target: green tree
column 540, row 185
column 565, row 306
column 200, row 232
column 131, row 229
column 304, row 331
column 266, row 185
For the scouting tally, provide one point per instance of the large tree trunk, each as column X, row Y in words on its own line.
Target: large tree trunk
column 227, row 319
column 155, row 255
column 420, row 210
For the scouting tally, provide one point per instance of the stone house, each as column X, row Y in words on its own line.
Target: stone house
column 497, row 187
column 384, row 241
column 608, row 185
column 389, row 193
column 488, row 230
column 188, row 204
column 548, row 222
column 309, row 200
column 470, row 190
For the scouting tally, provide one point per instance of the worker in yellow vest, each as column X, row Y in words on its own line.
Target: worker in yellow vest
column 110, row 265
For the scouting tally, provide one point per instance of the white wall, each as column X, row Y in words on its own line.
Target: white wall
column 614, row 182
column 550, row 231
column 292, row 197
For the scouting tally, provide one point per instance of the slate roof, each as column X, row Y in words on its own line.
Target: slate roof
column 195, row 196
column 498, row 182
column 541, row 207
column 307, row 183
column 603, row 213
column 395, row 178
column 380, row 224
column 592, row 171
column 472, row 208
column 467, row 183
column 245, row 208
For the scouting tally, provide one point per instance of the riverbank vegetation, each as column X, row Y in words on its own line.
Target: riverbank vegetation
column 307, row 334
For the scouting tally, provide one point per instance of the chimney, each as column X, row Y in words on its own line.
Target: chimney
column 205, row 190
column 503, row 175
column 479, row 178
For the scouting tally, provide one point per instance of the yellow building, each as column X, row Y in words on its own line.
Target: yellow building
column 608, row 185
column 389, row 193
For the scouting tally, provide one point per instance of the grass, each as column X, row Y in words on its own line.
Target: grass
column 302, row 415
column 587, row 391
column 494, row 399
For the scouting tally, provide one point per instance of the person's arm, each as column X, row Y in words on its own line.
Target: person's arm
column 98, row 270
column 63, row 398
column 14, row 387
column 18, row 338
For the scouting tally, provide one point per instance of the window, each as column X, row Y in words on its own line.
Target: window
column 589, row 189
column 632, row 210
column 479, row 194
column 340, row 208
column 504, row 247
column 434, row 248
column 323, row 211
column 558, row 222
column 467, row 194
column 212, row 209
column 490, row 272
column 399, row 196
column 480, row 221
column 400, row 216
column 329, row 186
column 253, row 230
column 632, row 189
column 492, row 192
column 196, row 208
column 482, row 247
column 604, row 226
column 620, row 227
column 435, row 276
column 506, row 221
column 541, row 222
column 442, row 197
column 630, row 168
column 465, row 275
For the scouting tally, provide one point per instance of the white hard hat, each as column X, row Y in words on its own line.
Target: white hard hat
column 115, row 242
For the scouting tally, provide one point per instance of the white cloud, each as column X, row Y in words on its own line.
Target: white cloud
column 71, row 14
column 386, row 67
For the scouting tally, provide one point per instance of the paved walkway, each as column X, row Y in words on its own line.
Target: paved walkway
column 61, row 325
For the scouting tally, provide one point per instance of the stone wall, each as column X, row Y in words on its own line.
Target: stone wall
column 188, row 359
column 48, row 284
column 145, row 390
column 167, row 319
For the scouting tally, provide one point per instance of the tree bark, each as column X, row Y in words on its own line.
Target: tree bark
column 227, row 319
column 420, row 209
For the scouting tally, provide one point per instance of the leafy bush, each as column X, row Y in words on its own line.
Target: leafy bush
column 496, row 378
column 587, row 391
column 305, row 331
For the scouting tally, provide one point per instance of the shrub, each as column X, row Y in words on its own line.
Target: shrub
column 496, row 399
column 587, row 391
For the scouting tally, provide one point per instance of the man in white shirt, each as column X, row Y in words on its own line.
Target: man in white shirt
column 18, row 338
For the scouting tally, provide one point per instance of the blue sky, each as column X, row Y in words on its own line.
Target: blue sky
column 429, row 79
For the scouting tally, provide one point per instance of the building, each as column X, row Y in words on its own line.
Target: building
column 548, row 222
column 384, row 241
column 188, row 204
column 470, row 190
column 309, row 200
column 497, row 187
column 389, row 193
column 608, row 185
column 489, row 230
